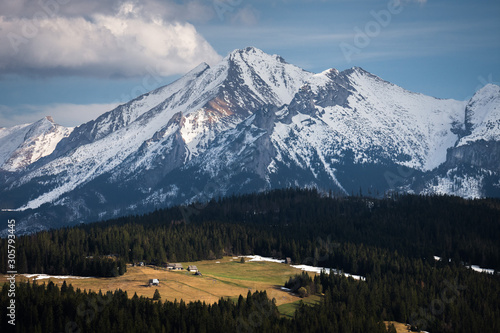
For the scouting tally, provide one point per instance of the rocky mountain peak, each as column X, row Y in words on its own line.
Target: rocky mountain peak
column 249, row 123
column 482, row 116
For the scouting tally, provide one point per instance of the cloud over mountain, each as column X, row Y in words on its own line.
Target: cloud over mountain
column 100, row 41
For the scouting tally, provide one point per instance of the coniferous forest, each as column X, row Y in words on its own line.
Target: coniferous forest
column 392, row 242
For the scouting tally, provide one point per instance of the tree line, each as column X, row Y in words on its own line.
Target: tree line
column 48, row 308
column 358, row 234
column 450, row 298
column 445, row 299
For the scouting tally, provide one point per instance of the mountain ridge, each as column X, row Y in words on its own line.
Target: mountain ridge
column 254, row 122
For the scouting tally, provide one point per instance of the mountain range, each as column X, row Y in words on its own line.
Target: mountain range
column 251, row 123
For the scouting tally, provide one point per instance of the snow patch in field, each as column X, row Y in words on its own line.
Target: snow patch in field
column 306, row 268
column 473, row 267
column 259, row 258
column 481, row 270
column 318, row 270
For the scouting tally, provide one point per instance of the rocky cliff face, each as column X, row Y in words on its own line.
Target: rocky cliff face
column 479, row 154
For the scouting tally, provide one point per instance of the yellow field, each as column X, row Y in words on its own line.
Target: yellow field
column 400, row 327
column 221, row 278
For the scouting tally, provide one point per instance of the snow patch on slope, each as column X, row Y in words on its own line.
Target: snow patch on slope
column 464, row 186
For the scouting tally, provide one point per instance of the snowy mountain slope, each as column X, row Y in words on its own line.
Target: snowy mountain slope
column 482, row 116
column 254, row 122
column 23, row 145
column 472, row 166
column 337, row 118
column 125, row 114
column 10, row 140
column 355, row 115
column 211, row 100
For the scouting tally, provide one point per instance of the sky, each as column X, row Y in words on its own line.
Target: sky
column 76, row 59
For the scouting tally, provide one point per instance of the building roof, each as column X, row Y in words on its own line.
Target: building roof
column 176, row 265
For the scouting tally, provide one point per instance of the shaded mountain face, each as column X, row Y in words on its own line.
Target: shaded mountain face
column 251, row 123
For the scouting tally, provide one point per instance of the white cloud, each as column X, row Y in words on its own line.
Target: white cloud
column 186, row 10
column 65, row 114
column 102, row 45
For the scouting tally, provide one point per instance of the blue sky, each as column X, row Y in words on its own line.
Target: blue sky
column 75, row 59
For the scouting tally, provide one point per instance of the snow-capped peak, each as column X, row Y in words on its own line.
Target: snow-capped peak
column 482, row 115
column 23, row 145
column 280, row 79
column 250, row 122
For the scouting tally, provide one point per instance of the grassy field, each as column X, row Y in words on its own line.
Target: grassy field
column 225, row 277
column 400, row 327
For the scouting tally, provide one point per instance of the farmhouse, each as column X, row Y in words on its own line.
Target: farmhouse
column 174, row 267
column 192, row 268
column 154, row 282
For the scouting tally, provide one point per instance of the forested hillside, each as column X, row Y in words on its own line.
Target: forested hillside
column 357, row 234
column 392, row 242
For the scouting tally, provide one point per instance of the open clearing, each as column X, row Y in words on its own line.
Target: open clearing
column 288, row 309
column 400, row 327
column 225, row 277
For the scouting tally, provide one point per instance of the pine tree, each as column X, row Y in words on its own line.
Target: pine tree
column 157, row 295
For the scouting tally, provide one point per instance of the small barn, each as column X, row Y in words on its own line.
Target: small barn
column 174, row 267
column 192, row 268
column 288, row 261
column 154, row 282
